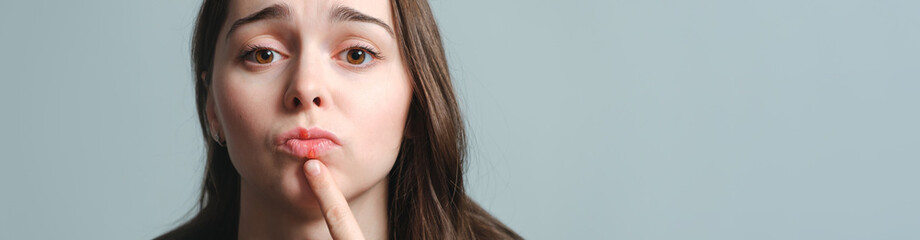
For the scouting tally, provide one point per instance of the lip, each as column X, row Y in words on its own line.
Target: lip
column 307, row 143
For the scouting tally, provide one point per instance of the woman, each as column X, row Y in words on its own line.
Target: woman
column 329, row 119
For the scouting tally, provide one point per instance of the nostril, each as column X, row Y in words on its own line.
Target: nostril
column 296, row 102
column 316, row 101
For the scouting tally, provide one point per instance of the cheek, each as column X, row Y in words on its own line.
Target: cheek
column 244, row 114
column 384, row 117
column 378, row 116
column 382, row 131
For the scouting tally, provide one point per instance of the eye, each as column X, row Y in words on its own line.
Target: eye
column 263, row 56
column 358, row 56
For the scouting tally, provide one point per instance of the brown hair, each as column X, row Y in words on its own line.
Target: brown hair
column 426, row 199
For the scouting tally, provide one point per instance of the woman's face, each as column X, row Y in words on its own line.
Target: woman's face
column 332, row 65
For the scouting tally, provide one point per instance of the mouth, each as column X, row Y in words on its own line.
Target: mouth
column 307, row 143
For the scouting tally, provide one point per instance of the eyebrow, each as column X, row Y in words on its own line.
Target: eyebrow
column 344, row 14
column 282, row 11
column 276, row 11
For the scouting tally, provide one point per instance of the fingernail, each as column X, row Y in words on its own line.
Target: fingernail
column 313, row 168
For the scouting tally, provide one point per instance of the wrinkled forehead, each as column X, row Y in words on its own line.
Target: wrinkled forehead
column 312, row 11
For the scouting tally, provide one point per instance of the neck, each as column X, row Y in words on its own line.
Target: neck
column 263, row 218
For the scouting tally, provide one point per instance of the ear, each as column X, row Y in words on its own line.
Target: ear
column 210, row 109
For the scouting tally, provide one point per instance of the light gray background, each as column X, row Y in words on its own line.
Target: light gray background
column 641, row 119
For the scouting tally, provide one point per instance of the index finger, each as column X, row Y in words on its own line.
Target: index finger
column 339, row 219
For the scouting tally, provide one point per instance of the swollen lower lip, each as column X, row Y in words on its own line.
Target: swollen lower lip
column 308, row 148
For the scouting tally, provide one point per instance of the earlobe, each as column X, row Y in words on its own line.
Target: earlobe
column 212, row 117
column 204, row 79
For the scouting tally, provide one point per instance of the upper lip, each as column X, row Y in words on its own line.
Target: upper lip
column 304, row 134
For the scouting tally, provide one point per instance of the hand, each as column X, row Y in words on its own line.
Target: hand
column 339, row 219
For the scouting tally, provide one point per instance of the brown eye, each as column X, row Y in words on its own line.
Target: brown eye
column 356, row 56
column 264, row 56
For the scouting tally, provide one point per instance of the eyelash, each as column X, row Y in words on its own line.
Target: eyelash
column 250, row 49
column 369, row 49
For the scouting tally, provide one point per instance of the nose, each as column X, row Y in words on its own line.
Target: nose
column 306, row 89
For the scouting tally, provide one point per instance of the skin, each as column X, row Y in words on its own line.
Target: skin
column 309, row 82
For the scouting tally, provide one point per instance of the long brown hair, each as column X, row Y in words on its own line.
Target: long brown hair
column 426, row 198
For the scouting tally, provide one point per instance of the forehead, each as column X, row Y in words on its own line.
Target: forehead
column 315, row 10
